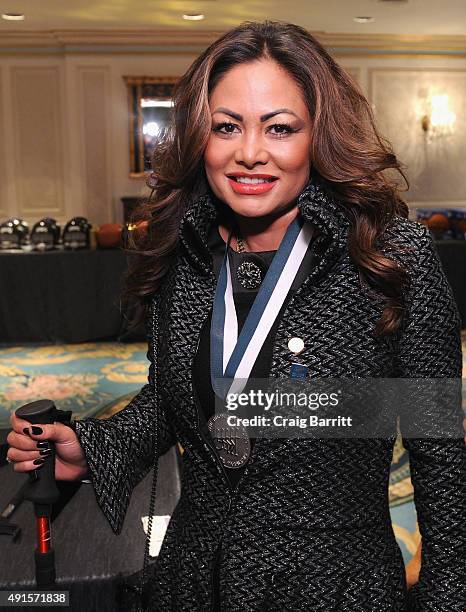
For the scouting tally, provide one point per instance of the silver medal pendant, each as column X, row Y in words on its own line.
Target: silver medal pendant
column 249, row 275
column 231, row 442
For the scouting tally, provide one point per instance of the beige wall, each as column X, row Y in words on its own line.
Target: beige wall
column 64, row 145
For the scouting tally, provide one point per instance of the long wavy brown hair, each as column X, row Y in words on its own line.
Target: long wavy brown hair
column 347, row 152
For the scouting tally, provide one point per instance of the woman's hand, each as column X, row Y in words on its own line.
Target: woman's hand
column 70, row 461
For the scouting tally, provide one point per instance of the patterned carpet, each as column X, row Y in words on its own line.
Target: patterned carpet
column 84, row 378
column 99, row 379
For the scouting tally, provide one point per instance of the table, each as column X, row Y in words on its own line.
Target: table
column 90, row 559
column 74, row 296
column 61, row 296
column 452, row 254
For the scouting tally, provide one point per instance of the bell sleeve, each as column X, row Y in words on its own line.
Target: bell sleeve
column 430, row 347
column 121, row 450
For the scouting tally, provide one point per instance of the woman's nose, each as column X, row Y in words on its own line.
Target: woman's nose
column 251, row 151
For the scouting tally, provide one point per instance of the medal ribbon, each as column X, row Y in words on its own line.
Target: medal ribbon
column 232, row 357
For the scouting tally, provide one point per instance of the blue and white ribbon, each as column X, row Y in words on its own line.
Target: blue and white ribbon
column 231, row 357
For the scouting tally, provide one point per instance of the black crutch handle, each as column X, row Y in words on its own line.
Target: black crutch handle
column 42, row 490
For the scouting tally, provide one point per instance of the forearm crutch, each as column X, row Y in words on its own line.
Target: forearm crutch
column 42, row 489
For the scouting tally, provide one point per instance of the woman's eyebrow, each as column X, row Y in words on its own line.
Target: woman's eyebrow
column 239, row 117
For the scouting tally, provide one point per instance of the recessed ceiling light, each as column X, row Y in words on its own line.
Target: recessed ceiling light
column 363, row 19
column 13, row 16
column 193, row 16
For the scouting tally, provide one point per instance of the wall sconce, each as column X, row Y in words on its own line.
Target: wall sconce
column 441, row 119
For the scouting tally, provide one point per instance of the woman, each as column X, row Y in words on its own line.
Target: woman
column 271, row 136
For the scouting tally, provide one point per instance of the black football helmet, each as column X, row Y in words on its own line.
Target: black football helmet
column 45, row 234
column 14, row 233
column 76, row 234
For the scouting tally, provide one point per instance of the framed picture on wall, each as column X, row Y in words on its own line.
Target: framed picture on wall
column 150, row 104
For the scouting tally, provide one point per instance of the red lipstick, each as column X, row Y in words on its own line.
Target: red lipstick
column 251, row 184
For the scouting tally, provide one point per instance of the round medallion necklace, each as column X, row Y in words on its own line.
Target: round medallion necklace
column 248, row 273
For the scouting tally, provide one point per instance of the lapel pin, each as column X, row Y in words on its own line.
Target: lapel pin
column 296, row 345
column 297, row 370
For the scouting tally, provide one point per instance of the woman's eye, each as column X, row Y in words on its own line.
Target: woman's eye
column 281, row 129
column 224, row 128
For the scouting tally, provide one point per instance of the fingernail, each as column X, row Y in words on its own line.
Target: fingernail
column 38, row 461
column 36, row 430
column 43, row 444
column 26, row 430
column 47, row 451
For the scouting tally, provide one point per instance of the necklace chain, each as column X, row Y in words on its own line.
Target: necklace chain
column 240, row 246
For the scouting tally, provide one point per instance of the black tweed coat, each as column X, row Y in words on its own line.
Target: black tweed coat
column 308, row 526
